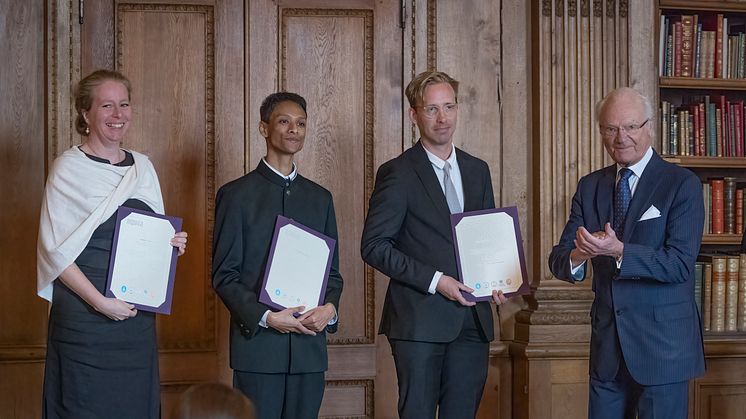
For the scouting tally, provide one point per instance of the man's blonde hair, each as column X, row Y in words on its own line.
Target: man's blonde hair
column 416, row 88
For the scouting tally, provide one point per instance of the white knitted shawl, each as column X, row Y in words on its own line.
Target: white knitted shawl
column 80, row 195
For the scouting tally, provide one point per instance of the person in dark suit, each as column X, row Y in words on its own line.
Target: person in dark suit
column 639, row 222
column 439, row 340
column 278, row 358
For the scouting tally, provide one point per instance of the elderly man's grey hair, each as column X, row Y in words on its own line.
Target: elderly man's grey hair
column 626, row 91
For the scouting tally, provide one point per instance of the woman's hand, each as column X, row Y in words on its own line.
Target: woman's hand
column 115, row 309
column 179, row 241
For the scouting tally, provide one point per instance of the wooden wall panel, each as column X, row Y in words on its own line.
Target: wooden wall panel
column 23, row 145
column 22, row 152
column 173, row 117
column 722, row 402
column 334, row 47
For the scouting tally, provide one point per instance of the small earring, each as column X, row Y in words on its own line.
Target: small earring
column 87, row 130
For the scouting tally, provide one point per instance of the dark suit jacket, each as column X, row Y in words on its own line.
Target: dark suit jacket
column 245, row 215
column 407, row 237
column 647, row 305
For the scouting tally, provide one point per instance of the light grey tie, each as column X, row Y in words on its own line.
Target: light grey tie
column 450, row 190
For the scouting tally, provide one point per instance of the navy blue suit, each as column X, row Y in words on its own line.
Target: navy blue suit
column 644, row 311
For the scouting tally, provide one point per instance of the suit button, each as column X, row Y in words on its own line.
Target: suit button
column 287, row 192
column 619, row 312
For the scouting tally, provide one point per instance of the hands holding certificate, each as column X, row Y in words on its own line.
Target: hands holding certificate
column 179, row 242
column 143, row 263
column 308, row 323
column 117, row 309
column 452, row 289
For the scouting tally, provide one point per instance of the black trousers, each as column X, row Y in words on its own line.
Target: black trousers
column 444, row 377
column 282, row 396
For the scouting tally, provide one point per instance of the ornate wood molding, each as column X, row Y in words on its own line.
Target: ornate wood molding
column 610, row 9
column 432, row 35
column 598, row 8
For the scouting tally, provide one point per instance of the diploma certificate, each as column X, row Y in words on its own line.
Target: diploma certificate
column 143, row 262
column 489, row 252
column 298, row 266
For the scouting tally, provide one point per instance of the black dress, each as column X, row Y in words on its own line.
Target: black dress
column 97, row 367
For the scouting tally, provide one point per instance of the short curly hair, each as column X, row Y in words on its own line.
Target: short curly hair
column 270, row 103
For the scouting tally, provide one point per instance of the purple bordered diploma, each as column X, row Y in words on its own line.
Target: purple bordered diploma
column 489, row 252
column 143, row 262
column 298, row 266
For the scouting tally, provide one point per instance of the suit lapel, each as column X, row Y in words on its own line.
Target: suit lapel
column 473, row 190
column 605, row 196
column 425, row 172
column 646, row 186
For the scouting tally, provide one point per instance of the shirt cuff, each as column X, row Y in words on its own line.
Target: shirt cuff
column 334, row 319
column 578, row 272
column 434, row 282
column 263, row 320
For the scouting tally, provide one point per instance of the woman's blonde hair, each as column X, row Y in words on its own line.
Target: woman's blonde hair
column 85, row 90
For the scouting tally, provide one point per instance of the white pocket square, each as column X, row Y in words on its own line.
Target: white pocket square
column 651, row 213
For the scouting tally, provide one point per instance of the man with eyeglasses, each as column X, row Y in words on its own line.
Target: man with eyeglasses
column 639, row 222
column 439, row 340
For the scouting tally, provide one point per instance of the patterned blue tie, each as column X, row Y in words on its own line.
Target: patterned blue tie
column 622, row 196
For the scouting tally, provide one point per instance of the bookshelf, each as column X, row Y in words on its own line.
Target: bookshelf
column 702, row 92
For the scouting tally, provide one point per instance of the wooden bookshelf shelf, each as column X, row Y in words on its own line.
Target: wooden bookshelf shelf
column 701, row 83
column 734, row 239
column 725, row 344
column 711, row 162
column 686, row 121
column 712, row 6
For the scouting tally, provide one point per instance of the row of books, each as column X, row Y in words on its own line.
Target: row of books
column 720, row 292
column 705, row 126
column 724, row 203
column 706, row 46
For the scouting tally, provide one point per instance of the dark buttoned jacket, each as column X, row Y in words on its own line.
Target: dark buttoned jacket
column 245, row 213
column 408, row 238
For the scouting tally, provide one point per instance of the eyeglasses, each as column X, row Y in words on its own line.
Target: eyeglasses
column 611, row 131
column 431, row 111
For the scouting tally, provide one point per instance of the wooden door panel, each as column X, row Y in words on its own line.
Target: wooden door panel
column 23, row 144
column 185, row 62
column 324, row 59
column 172, row 112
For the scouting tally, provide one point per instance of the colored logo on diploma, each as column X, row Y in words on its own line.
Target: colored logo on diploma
column 124, row 288
column 277, row 291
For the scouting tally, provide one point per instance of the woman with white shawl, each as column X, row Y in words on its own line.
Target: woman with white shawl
column 102, row 356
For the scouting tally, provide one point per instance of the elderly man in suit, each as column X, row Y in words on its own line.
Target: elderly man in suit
column 439, row 340
column 639, row 222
